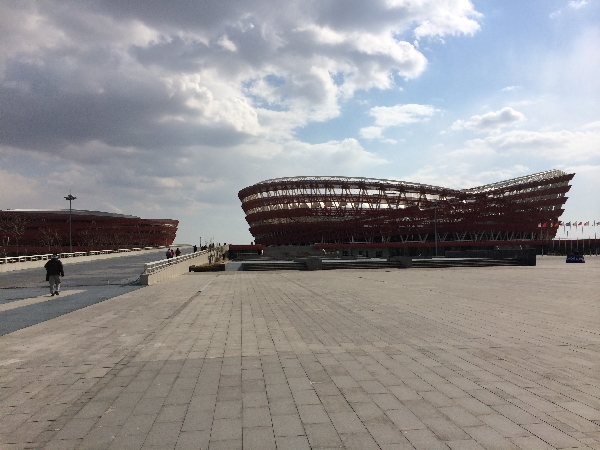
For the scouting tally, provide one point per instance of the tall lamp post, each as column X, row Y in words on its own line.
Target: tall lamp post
column 435, row 206
column 70, row 198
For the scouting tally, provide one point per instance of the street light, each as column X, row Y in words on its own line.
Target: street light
column 435, row 206
column 70, row 198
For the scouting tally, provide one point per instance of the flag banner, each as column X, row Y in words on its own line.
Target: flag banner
column 587, row 224
column 560, row 222
column 580, row 224
column 544, row 225
column 568, row 224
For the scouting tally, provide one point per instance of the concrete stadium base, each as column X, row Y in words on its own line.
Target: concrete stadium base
column 469, row 358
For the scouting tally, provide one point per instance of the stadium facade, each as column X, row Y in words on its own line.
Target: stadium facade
column 342, row 212
column 43, row 231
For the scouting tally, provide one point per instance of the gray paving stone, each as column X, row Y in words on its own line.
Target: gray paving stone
column 259, row 438
column 424, row 439
column 551, row 435
column 292, row 443
column 385, row 432
column 226, row 429
column 444, row 429
column 75, row 429
column 313, row 414
column 282, row 406
column 193, row 440
column 287, row 425
column 128, row 442
column 231, row 444
column 321, row 435
column 172, row 413
column 136, row 425
column 359, row 441
column 504, row 426
column 256, row 417
column 347, row 422
column 489, row 438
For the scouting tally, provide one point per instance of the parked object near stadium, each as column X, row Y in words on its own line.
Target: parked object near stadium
column 335, row 212
column 575, row 258
column 42, row 231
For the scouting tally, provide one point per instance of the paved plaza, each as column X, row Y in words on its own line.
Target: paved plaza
column 463, row 358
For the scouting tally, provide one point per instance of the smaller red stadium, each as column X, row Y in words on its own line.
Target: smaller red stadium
column 42, row 231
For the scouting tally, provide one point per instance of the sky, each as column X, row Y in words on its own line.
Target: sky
column 166, row 109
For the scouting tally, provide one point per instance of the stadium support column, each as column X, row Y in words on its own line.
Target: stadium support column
column 70, row 198
column 435, row 205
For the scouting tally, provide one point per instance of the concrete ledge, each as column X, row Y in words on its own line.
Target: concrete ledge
column 10, row 267
column 526, row 256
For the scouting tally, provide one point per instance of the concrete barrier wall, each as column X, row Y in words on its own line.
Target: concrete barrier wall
column 40, row 263
column 179, row 268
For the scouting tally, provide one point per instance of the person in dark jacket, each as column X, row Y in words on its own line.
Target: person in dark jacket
column 54, row 270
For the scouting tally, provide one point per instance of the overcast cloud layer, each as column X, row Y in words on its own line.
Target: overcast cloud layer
column 168, row 108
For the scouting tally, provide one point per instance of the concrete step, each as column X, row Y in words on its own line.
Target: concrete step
column 275, row 265
column 332, row 265
column 379, row 264
column 463, row 262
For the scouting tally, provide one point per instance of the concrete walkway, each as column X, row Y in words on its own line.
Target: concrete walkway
column 502, row 357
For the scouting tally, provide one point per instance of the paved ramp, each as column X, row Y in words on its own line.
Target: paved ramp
column 25, row 298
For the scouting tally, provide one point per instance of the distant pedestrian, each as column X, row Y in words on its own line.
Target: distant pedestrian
column 172, row 253
column 54, row 270
column 177, row 252
column 168, row 254
column 195, row 248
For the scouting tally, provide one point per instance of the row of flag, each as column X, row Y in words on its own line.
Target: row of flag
column 568, row 224
column 580, row 224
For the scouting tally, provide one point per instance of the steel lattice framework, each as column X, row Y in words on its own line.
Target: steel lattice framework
column 338, row 210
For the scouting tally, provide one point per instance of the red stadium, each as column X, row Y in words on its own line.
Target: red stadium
column 39, row 231
column 338, row 212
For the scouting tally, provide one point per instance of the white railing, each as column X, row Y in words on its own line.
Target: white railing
column 18, row 259
column 159, row 265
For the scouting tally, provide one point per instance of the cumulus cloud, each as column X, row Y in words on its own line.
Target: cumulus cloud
column 371, row 132
column 460, row 175
column 573, row 4
column 154, row 64
column 393, row 116
column 134, row 102
column 559, row 146
column 577, row 4
column 490, row 122
column 386, row 116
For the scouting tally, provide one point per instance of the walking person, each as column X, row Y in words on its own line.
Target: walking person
column 54, row 270
column 177, row 252
column 168, row 254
